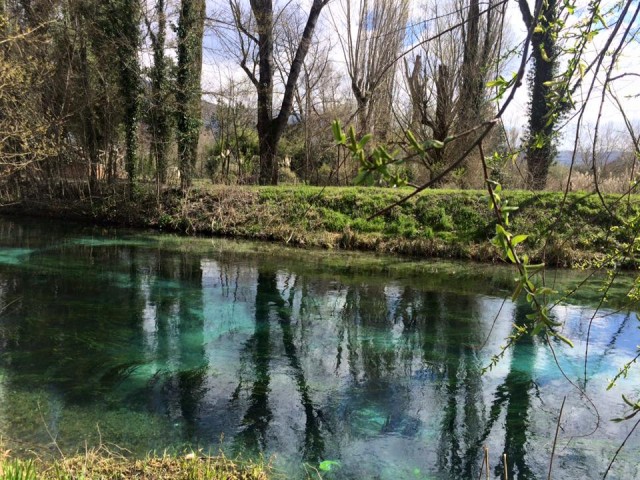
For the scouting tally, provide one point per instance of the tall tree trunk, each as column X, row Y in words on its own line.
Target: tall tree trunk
column 268, row 147
column 540, row 149
column 126, row 16
column 188, row 94
column 472, row 74
column 442, row 120
column 371, row 53
column 88, row 118
column 263, row 10
column 270, row 128
column 161, row 127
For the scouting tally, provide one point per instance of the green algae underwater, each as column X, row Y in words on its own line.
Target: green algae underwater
column 343, row 364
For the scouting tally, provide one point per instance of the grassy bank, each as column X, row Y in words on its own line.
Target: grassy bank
column 436, row 223
column 103, row 464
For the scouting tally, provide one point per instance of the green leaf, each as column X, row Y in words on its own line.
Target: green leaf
column 433, row 144
column 498, row 82
column 364, row 140
column 364, row 177
column 534, row 267
column 546, row 291
column 517, row 292
column 327, row 465
column 582, row 67
column 414, row 143
column 336, row 128
column 543, row 54
column 518, row 239
column 352, row 135
column 564, row 339
column 538, row 328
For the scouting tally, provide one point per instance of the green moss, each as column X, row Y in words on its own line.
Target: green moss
column 333, row 221
column 436, row 218
column 364, row 225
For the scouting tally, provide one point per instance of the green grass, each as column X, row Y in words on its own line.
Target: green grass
column 435, row 223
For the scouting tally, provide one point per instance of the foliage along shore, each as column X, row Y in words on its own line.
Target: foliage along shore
column 458, row 224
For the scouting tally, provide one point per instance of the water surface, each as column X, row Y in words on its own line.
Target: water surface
column 156, row 342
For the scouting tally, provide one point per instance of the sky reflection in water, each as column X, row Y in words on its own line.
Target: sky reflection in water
column 153, row 343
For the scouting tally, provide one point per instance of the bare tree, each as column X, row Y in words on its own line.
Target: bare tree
column 446, row 79
column 598, row 154
column 309, row 112
column 256, row 37
column 375, row 33
column 25, row 126
column 234, row 124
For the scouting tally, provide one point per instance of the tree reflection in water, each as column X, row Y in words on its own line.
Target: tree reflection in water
column 277, row 356
column 271, row 307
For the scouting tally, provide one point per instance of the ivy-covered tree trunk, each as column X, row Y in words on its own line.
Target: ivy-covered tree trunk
column 160, row 114
column 540, row 146
column 126, row 33
column 188, row 93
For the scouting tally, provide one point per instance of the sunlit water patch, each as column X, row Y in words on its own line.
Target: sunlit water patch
column 162, row 343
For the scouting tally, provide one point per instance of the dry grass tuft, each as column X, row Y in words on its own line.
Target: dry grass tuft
column 104, row 463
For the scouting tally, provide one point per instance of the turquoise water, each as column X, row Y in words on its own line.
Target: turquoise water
column 155, row 342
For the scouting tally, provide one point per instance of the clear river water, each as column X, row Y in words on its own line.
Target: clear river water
column 159, row 343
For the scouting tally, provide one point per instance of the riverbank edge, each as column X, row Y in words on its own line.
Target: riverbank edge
column 102, row 463
column 454, row 224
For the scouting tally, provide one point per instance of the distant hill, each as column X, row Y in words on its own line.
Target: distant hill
column 564, row 158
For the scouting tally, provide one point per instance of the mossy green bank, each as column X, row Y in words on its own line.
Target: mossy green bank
column 562, row 231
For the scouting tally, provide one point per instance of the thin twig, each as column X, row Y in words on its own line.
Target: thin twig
column 555, row 439
column 504, row 462
column 482, row 465
column 619, row 449
column 486, row 459
column 488, row 126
